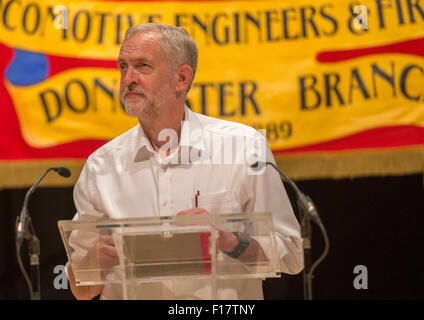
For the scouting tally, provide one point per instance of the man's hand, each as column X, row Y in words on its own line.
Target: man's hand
column 192, row 211
column 103, row 255
column 227, row 241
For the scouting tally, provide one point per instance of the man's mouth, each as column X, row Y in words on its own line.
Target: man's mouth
column 130, row 94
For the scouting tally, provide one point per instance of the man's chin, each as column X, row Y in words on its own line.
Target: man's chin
column 133, row 110
column 139, row 111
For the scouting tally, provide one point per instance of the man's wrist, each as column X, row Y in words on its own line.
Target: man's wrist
column 243, row 243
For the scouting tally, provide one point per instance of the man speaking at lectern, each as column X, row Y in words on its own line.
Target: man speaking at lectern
column 154, row 168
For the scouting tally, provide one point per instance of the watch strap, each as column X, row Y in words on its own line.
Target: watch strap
column 243, row 243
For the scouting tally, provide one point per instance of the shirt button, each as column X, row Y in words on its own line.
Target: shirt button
column 165, row 203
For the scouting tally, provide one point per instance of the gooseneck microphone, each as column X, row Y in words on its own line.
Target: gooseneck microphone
column 23, row 222
column 308, row 213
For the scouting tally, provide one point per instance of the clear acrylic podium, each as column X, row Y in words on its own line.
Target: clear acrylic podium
column 168, row 248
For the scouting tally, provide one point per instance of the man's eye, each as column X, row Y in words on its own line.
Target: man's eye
column 122, row 67
column 142, row 65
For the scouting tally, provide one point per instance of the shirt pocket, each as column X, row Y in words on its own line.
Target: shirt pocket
column 218, row 202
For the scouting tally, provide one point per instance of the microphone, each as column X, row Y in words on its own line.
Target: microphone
column 64, row 172
column 309, row 211
column 22, row 222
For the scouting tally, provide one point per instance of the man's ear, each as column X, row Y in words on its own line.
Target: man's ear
column 184, row 76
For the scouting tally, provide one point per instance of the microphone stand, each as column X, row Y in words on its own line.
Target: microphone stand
column 305, row 205
column 308, row 213
column 21, row 228
column 34, row 260
column 34, row 263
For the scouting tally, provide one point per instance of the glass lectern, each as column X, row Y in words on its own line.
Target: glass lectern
column 168, row 248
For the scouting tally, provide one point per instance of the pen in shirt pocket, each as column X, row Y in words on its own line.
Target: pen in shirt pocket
column 196, row 201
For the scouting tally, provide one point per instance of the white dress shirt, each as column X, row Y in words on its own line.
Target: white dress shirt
column 126, row 178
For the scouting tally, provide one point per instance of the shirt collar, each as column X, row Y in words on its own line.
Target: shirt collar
column 192, row 136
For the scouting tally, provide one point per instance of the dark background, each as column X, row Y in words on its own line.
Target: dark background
column 375, row 221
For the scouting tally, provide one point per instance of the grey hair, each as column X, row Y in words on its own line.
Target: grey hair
column 177, row 45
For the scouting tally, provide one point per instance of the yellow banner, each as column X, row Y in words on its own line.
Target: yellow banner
column 268, row 64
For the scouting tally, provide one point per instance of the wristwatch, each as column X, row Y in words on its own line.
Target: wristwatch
column 243, row 243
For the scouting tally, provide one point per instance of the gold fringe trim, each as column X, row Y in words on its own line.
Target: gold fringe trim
column 24, row 173
column 317, row 165
column 351, row 164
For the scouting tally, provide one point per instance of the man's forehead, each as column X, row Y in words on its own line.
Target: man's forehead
column 142, row 38
column 139, row 44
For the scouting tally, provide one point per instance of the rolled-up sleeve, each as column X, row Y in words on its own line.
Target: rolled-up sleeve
column 86, row 203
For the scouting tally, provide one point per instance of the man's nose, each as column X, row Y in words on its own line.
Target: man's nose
column 130, row 78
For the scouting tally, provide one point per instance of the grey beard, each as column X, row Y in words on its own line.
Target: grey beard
column 140, row 109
